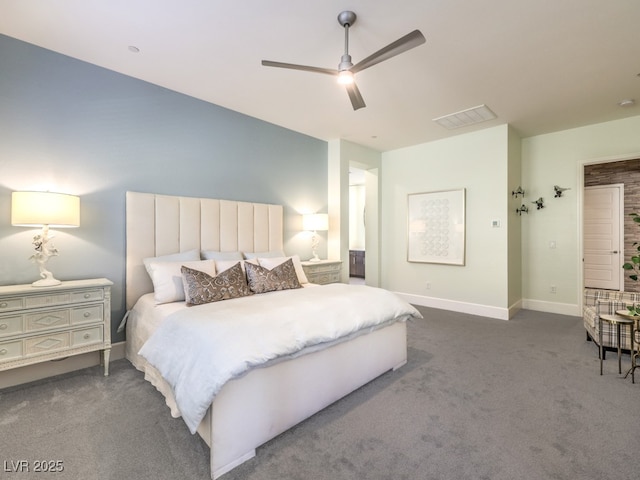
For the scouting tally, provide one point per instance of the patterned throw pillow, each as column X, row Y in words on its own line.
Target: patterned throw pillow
column 281, row 277
column 200, row 287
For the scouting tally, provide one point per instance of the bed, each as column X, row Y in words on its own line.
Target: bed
column 260, row 403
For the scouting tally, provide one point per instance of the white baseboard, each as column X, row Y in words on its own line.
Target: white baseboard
column 38, row 371
column 515, row 308
column 456, row 306
column 553, row 307
column 493, row 312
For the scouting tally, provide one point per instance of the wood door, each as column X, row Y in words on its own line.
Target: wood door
column 603, row 257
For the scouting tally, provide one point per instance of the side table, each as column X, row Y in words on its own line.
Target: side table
column 635, row 351
column 39, row 324
column 616, row 320
column 322, row 271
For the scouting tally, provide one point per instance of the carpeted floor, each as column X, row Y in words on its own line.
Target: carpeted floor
column 479, row 399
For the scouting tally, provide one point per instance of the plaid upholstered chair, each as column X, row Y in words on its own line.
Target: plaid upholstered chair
column 602, row 302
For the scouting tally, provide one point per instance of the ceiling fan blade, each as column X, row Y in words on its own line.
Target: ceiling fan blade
column 292, row 66
column 354, row 95
column 409, row 41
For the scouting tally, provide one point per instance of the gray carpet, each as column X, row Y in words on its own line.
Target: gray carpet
column 478, row 399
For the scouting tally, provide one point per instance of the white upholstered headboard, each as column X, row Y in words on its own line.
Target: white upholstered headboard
column 162, row 224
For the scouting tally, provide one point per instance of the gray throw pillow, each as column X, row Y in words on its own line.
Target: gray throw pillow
column 200, row 287
column 281, row 277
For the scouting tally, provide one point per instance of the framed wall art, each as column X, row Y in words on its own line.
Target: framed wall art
column 437, row 227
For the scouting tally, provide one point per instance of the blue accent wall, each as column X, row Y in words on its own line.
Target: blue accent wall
column 73, row 127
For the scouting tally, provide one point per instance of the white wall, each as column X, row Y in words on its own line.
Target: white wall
column 498, row 271
column 478, row 162
column 557, row 159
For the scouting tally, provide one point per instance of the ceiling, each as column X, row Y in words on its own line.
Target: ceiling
column 540, row 65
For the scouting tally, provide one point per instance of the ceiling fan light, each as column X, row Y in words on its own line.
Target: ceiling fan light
column 345, row 77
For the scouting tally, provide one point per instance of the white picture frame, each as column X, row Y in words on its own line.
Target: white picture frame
column 436, row 227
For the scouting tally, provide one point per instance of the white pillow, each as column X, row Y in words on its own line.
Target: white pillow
column 188, row 256
column 271, row 262
column 167, row 278
column 270, row 254
column 222, row 265
column 215, row 255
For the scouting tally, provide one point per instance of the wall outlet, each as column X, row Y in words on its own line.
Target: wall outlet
column 428, row 285
column 552, row 289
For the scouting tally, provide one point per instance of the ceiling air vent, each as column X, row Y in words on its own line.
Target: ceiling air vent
column 478, row 114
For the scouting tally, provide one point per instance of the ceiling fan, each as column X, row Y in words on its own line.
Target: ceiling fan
column 346, row 68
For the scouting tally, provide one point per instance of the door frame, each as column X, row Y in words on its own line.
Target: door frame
column 580, row 175
column 620, row 186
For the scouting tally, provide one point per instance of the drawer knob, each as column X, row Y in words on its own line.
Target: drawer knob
column 4, row 305
column 3, row 326
column 3, row 351
column 87, row 295
column 87, row 314
column 87, row 336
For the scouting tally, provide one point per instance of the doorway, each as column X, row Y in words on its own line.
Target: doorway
column 357, row 225
column 623, row 171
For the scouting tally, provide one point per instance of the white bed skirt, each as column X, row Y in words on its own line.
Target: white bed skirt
column 265, row 402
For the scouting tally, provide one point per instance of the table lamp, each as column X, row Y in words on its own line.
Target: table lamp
column 44, row 209
column 315, row 222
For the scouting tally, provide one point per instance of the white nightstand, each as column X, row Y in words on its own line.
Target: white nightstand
column 38, row 324
column 323, row 271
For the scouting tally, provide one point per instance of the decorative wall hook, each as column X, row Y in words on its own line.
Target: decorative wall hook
column 518, row 191
column 539, row 203
column 558, row 191
column 522, row 209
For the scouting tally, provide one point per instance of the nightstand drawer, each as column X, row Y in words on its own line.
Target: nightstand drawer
column 324, row 278
column 10, row 304
column 47, row 319
column 46, row 343
column 87, row 296
column 325, row 268
column 90, row 313
column 53, row 299
column 10, row 350
column 86, row 336
column 10, row 325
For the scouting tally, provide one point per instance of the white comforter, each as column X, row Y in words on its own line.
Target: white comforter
column 200, row 348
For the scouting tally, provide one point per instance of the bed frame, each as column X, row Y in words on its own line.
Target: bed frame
column 252, row 409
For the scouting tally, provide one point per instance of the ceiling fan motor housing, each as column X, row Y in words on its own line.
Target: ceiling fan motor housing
column 345, row 62
column 347, row 18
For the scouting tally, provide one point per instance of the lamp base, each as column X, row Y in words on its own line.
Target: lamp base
column 46, row 282
column 44, row 250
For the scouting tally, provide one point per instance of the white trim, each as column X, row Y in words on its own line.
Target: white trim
column 455, row 306
column 38, row 371
column 490, row 311
column 515, row 308
column 552, row 307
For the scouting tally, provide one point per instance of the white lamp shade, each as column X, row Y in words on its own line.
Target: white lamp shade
column 36, row 209
column 314, row 222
